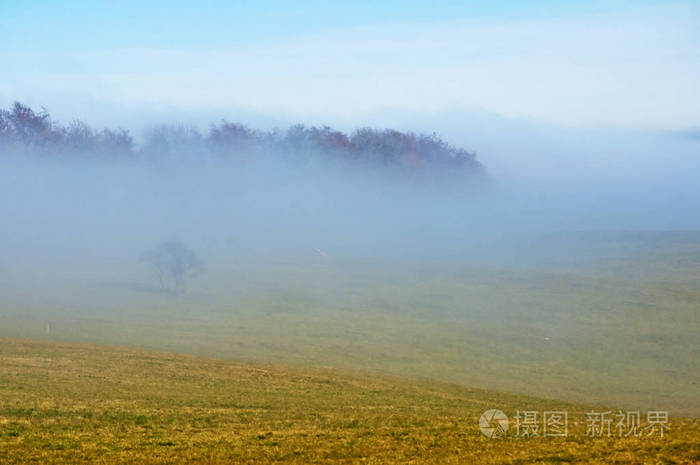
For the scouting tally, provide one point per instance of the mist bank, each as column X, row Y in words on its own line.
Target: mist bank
column 101, row 210
column 317, row 259
column 313, row 193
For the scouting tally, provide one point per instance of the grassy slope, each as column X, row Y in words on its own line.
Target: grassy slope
column 71, row 403
column 602, row 319
column 605, row 338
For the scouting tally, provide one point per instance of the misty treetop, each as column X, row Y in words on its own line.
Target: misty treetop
column 24, row 130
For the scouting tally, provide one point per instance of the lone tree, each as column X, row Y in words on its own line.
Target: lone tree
column 173, row 261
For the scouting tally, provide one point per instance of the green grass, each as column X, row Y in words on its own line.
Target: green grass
column 601, row 337
column 73, row 403
column 330, row 361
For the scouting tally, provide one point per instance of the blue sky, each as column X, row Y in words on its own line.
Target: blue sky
column 164, row 24
column 571, row 63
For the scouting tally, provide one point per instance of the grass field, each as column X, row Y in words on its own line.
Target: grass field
column 72, row 403
column 326, row 359
column 623, row 330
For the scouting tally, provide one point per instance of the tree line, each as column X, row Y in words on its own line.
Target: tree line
column 24, row 130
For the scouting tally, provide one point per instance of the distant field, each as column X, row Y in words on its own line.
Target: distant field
column 615, row 321
column 71, row 403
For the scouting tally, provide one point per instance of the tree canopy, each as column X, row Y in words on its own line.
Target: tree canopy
column 26, row 131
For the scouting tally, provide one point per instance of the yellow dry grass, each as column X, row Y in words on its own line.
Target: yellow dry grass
column 73, row 403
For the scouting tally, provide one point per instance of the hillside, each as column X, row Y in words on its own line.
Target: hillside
column 73, row 403
column 623, row 332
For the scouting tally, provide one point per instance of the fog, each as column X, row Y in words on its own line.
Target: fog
column 574, row 237
column 71, row 208
column 324, row 232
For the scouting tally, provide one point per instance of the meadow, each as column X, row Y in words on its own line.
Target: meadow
column 618, row 324
column 76, row 403
column 324, row 359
